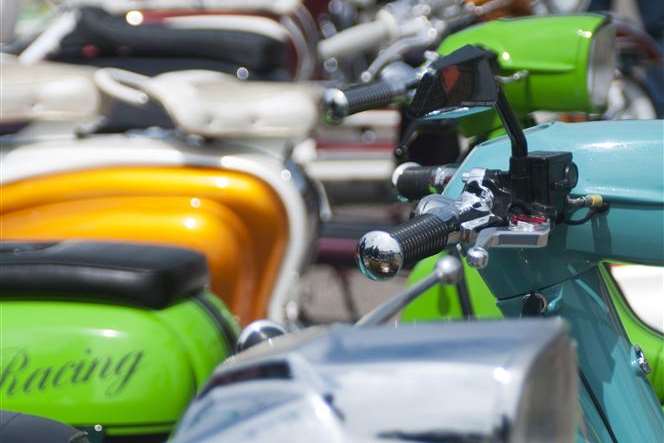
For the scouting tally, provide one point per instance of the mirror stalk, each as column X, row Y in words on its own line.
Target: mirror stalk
column 449, row 270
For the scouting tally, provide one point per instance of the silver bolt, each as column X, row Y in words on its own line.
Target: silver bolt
column 478, row 257
column 242, row 73
column 641, row 361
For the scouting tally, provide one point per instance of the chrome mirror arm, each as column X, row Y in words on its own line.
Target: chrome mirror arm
column 448, row 271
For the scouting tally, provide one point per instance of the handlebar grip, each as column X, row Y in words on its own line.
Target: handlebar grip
column 459, row 23
column 381, row 254
column 356, row 39
column 415, row 182
column 340, row 103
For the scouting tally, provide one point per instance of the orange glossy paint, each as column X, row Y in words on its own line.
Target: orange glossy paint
column 235, row 219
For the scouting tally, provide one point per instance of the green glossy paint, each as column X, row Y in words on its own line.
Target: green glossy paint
column 123, row 367
column 639, row 334
column 442, row 302
column 555, row 52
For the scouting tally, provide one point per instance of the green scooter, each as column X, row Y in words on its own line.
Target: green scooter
column 112, row 338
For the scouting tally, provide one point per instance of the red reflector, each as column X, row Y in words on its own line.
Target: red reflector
column 528, row 219
column 449, row 77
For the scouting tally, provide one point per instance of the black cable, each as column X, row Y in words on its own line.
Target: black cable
column 598, row 406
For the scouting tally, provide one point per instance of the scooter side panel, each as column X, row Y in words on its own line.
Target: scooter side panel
column 442, row 302
column 207, row 342
column 87, row 364
column 234, row 219
column 606, row 358
column 639, row 334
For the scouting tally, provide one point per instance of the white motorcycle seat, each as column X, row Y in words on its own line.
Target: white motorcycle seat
column 215, row 105
column 46, row 91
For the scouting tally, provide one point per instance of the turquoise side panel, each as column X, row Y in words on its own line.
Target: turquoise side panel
column 605, row 358
column 624, row 162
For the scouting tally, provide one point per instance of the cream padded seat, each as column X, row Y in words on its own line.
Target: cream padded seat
column 46, row 91
column 216, row 105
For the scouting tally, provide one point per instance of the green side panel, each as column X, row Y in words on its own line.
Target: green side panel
column 201, row 339
column 650, row 341
column 126, row 368
column 442, row 302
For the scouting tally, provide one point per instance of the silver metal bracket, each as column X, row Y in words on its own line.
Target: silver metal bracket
column 521, row 235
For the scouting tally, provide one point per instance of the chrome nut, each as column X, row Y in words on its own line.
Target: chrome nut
column 478, row 257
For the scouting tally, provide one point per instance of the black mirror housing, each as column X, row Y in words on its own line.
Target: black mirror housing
column 464, row 78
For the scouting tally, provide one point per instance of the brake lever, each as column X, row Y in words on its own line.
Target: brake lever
column 517, row 235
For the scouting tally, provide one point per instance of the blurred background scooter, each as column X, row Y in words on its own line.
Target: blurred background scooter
column 222, row 184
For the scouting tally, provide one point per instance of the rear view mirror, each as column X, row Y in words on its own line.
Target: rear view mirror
column 465, row 78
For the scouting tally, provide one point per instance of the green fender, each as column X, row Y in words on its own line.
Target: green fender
column 129, row 369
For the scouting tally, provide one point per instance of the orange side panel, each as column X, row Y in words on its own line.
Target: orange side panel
column 236, row 220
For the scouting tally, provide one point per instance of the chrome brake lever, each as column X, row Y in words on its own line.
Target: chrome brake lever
column 519, row 235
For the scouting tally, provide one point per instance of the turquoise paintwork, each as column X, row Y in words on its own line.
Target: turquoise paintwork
column 622, row 161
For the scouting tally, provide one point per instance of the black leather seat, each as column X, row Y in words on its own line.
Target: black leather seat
column 122, row 273
column 154, row 48
column 21, row 428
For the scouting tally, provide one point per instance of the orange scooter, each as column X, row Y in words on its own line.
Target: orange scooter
column 206, row 186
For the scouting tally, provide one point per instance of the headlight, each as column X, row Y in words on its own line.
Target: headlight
column 601, row 65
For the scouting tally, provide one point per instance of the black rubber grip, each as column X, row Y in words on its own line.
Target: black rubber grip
column 415, row 183
column 370, row 96
column 421, row 237
column 459, row 23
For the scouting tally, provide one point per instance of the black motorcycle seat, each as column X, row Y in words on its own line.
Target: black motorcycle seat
column 112, row 37
column 120, row 273
column 21, row 428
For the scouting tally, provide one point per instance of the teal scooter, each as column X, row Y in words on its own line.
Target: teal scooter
column 537, row 223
